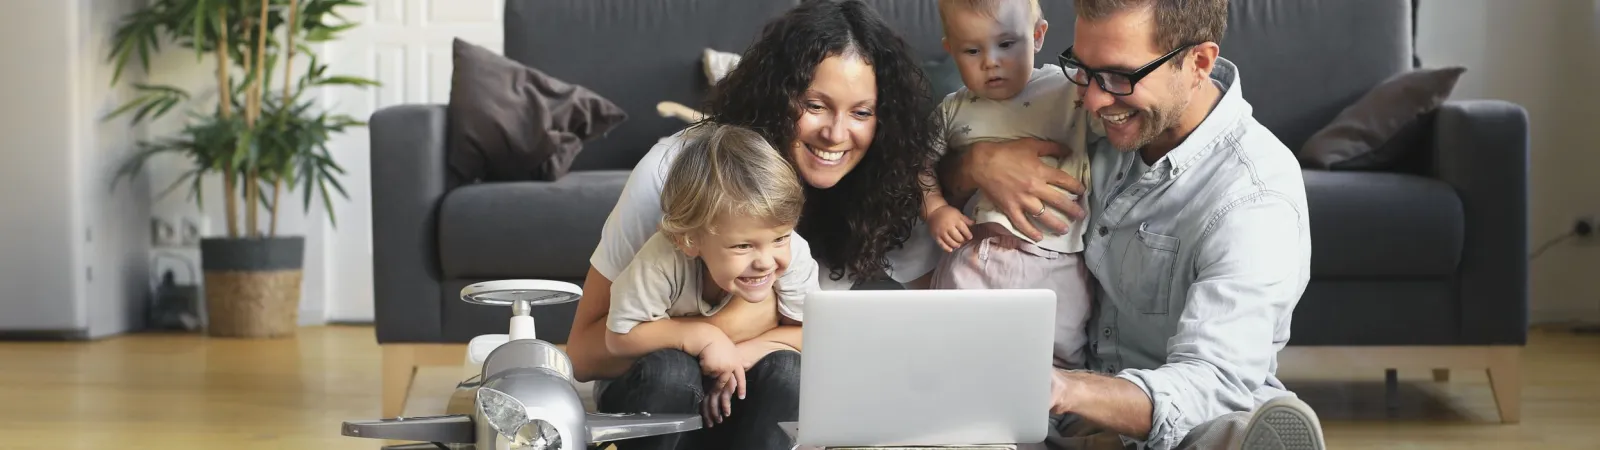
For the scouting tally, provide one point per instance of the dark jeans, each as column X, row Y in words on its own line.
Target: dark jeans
column 669, row 381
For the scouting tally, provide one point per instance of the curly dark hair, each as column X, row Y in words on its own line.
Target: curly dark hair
column 875, row 208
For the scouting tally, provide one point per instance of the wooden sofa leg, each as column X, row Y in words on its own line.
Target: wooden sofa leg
column 399, row 367
column 400, row 363
column 1505, row 379
column 1441, row 375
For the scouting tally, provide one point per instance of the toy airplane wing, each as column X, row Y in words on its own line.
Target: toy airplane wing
column 458, row 429
column 616, row 427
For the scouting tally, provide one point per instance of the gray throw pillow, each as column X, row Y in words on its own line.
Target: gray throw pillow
column 1355, row 140
column 510, row 122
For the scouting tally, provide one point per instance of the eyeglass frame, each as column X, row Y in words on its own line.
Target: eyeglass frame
column 1066, row 58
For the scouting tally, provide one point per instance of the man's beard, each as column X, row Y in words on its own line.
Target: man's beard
column 1157, row 119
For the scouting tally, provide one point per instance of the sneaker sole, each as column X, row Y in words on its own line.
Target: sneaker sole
column 1283, row 428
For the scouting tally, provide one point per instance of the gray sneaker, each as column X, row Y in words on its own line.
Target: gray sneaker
column 1284, row 423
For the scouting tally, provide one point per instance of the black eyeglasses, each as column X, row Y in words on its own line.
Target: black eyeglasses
column 1114, row 82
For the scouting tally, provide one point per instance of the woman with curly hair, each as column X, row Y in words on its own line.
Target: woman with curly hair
column 833, row 89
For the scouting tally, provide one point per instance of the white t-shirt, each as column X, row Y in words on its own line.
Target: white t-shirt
column 1047, row 108
column 663, row 282
column 637, row 213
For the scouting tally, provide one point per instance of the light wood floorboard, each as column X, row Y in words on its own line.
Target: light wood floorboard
column 190, row 392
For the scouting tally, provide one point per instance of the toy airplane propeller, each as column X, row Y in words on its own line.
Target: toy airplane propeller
column 527, row 399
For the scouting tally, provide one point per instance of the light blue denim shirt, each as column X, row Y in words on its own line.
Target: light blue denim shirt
column 1200, row 260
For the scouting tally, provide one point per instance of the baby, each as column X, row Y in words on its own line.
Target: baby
column 993, row 43
column 730, row 204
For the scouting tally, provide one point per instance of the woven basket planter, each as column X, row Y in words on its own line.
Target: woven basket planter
column 252, row 286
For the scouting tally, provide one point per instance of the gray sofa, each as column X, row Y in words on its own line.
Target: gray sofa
column 1430, row 255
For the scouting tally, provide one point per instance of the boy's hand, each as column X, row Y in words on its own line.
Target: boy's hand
column 718, row 404
column 722, row 357
column 950, row 227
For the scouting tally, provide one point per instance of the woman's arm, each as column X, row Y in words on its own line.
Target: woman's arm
column 787, row 335
column 741, row 320
column 586, row 343
column 1010, row 174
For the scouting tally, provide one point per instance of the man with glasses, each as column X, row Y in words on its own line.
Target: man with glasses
column 1198, row 241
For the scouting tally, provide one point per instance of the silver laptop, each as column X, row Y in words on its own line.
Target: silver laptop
column 926, row 367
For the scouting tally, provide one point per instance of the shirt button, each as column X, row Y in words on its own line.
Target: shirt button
column 1107, row 332
column 1102, row 231
column 1119, row 176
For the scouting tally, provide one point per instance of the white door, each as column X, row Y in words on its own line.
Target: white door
column 404, row 44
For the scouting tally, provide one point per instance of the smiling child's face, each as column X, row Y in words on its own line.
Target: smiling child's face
column 745, row 256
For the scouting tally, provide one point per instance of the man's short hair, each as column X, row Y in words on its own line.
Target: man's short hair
column 1178, row 22
column 984, row 7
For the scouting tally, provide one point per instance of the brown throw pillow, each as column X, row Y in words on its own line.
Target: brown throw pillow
column 1355, row 140
column 510, row 122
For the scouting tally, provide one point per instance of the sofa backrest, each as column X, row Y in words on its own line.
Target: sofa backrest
column 635, row 53
column 1301, row 61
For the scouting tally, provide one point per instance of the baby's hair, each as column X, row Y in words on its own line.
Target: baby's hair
column 726, row 170
column 985, row 7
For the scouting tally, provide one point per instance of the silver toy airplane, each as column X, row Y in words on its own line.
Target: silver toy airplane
column 527, row 399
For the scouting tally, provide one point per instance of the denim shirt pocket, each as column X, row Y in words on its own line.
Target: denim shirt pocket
column 1147, row 271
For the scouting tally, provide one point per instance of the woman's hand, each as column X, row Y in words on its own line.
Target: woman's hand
column 1010, row 174
column 950, row 227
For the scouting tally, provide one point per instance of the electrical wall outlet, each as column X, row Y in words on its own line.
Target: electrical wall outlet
column 177, row 230
column 192, row 229
column 164, row 233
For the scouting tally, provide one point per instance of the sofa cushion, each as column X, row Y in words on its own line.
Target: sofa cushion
column 1378, row 312
column 1372, row 224
column 526, row 229
column 1357, row 139
column 510, row 122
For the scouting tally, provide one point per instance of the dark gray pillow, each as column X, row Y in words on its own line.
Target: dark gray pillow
column 510, row 122
column 1355, row 140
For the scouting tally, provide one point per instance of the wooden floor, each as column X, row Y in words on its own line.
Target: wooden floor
column 185, row 391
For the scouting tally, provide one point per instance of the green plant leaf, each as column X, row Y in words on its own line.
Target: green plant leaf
column 325, row 33
column 328, row 204
column 347, row 81
column 187, row 176
column 197, row 192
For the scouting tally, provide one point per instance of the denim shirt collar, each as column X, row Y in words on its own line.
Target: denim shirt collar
column 1216, row 128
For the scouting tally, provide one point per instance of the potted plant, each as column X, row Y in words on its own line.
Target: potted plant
column 262, row 142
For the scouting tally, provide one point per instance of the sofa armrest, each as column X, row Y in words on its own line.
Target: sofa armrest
column 1481, row 148
column 408, row 182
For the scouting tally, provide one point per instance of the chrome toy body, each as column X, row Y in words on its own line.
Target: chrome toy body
column 528, row 399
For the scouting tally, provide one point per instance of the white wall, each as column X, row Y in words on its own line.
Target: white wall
column 406, row 45
column 1542, row 55
column 38, row 242
column 72, row 256
column 117, row 220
